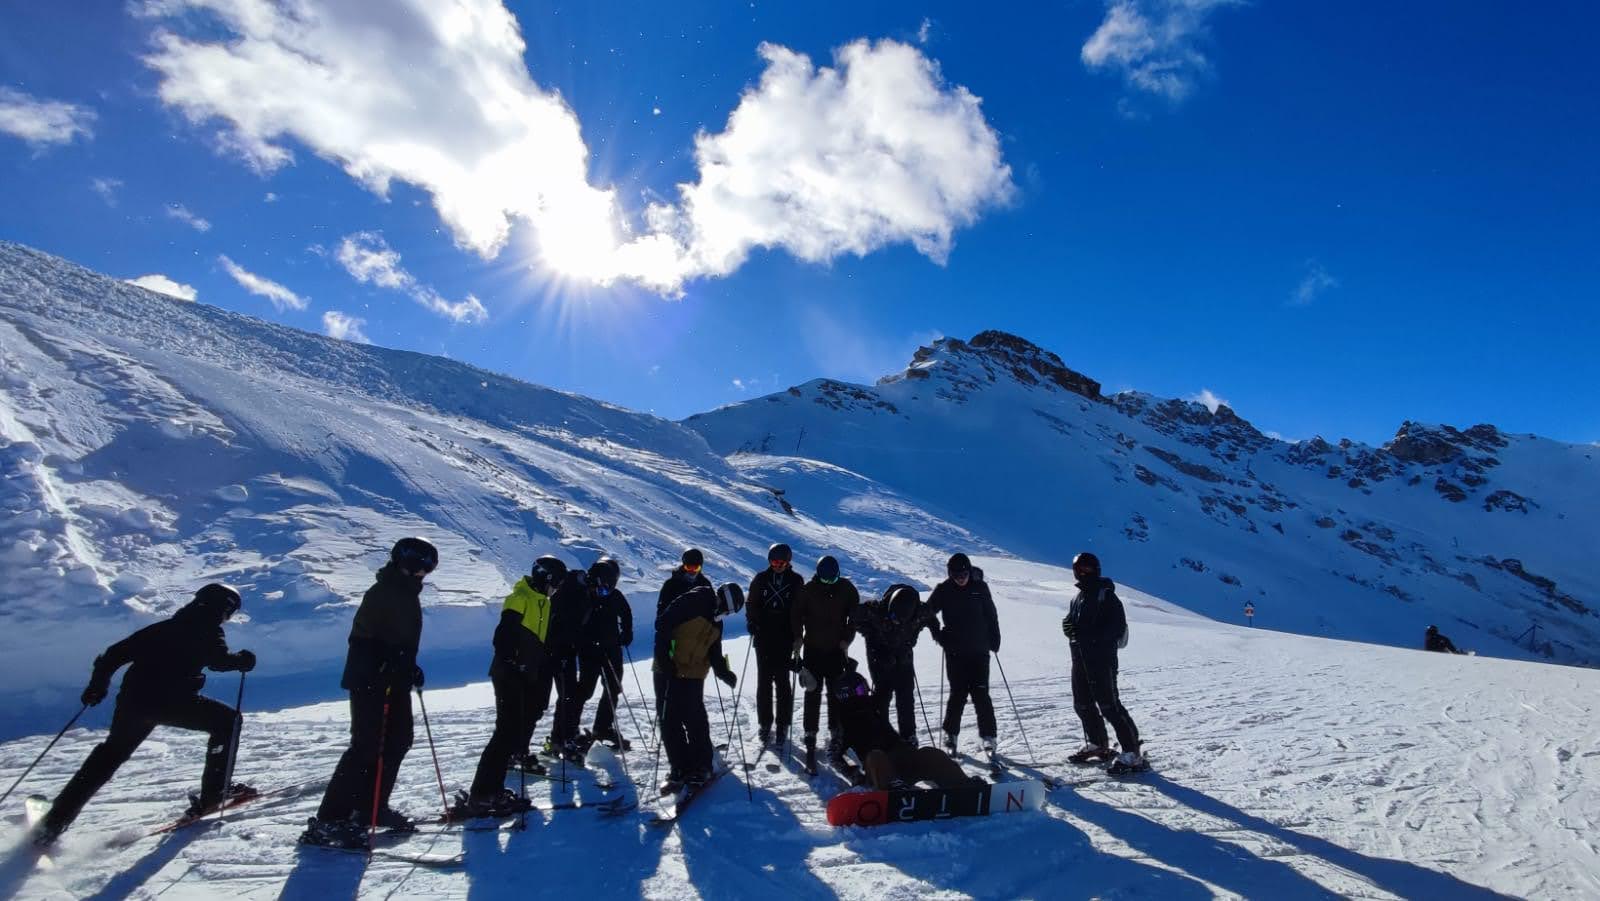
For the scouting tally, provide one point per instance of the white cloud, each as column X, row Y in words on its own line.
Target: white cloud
column 282, row 298
column 739, row 383
column 270, row 198
column 345, row 328
column 163, row 285
column 1314, row 284
column 182, row 213
column 42, row 123
column 818, row 162
column 370, row 260
column 1208, row 398
column 1153, row 44
column 106, row 188
column 925, row 30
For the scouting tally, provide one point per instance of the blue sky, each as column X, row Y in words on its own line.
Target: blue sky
column 1335, row 217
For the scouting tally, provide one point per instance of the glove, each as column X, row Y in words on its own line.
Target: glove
column 798, row 644
column 844, row 644
column 416, row 677
column 994, row 647
column 93, row 695
column 808, row 680
column 728, row 679
column 246, row 661
column 627, row 639
column 1069, row 628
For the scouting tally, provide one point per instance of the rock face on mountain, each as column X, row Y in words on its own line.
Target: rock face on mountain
column 1002, row 437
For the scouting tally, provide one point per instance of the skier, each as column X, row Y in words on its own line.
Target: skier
column 607, row 629
column 888, row 760
column 890, row 627
column 969, row 631
column 162, row 688
column 688, row 645
column 569, row 607
column 521, row 675
column 380, row 670
column 823, row 623
column 685, row 577
column 773, row 593
column 1096, row 627
column 1434, row 640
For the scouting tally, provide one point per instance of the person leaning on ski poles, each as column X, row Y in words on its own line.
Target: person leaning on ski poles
column 162, row 688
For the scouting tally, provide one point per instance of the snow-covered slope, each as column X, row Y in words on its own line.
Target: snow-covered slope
column 149, row 445
column 1480, row 532
column 1287, row 767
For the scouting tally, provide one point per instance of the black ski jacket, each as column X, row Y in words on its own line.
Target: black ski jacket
column 385, row 634
column 969, row 624
column 167, row 659
column 767, row 609
column 569, row 605
column 825, row 615
column 890, row 644
column 677, row 584
column 1436, row 641
column 1097, row 615
column 608, row 624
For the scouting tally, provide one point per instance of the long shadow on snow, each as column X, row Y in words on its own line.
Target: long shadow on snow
column 125, row 883
column 744, row 850
column 1405, row 879
column 586, row 855
column 1033, row 855
column 323, row 874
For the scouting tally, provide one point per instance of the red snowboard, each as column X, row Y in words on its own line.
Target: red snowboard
column 874, row 808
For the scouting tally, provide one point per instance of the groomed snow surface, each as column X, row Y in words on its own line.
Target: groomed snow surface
column 1286, row 766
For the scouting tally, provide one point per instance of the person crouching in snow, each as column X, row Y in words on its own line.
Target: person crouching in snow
column 889, row 761
column 688, row 645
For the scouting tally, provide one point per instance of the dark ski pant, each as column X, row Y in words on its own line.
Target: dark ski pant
column 602, row 668
column 912, row 765
column 350, row 790
column 969, row 675
column 538, row 690
column 1095, row 698
column 516, row 708
column 896, row 681
column 773, row 683
column 569, row 701
column 827, row 666
column 131, row 724
column 685, row 731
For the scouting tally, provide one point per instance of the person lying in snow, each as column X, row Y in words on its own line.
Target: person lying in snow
column 890, row 762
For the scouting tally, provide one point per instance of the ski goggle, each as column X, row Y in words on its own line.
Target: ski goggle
column 417, row 562
column 827, row 581
column 858, row 690
column 691, row 567
column 778, row 564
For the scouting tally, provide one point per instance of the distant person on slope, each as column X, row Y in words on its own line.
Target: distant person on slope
column 773, row 593
column 686, row 576
column 1096, row 627
column 688, row 646
column 824, row 625
column 379, row 672
column 521, row 675
column 1434, row 640
column 890, row 627
column 607, row 629
column 889, row 761
column 569, row 608
column 162, row 688
column 969, row 631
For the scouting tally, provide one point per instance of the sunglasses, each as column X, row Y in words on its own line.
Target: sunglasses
column 691, row 567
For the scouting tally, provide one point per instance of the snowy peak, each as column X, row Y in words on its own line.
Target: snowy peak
column 993, row 357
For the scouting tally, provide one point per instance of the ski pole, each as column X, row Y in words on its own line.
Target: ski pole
column 655, row 766
column 640, row 685
column 743, row 765
column 42, row 753
column 943, row 661
column 377, row 778
column 233, row 748
column 1032, row 759
column 616, row 702
column 434, row 751
column 933, row 740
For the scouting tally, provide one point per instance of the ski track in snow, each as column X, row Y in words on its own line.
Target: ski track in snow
column 1286, row 766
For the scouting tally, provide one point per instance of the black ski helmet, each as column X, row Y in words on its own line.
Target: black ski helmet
column 852, row 685
column 221, row 599
column 730, row 599
column 693, row 557
column 901, row 601
column 780, row 552
column 606, row 571
column 1432, row 629
column 547, row 573
column 1087, row 562
column 827, row 569
column 958, row 564
column 411, row 553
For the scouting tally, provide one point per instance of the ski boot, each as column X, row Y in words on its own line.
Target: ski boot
column 991, row 753
column 835, row 751
column 614, row 741
column 238, row 791
column 780, row 738
column 394, row 822
column 503, row 803
column 45, row 834
column 950, row 744
column 1128, row 762
column 766, row 736
column 697, row 780
column 529, row 764
column 334, row 834
column 673, row 783
column 811, row 754
column 1092, row 753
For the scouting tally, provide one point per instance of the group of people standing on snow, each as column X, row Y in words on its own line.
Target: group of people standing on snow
column 566, row 631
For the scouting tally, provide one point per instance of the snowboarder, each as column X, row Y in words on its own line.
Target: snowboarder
column 773, row 593
column 890, row 627
column 380, row 670
column 686, row 576
column 823, row 623
column 607, row 629
column 969, row 632
column 162, row 688
column 888, row 760
column 569, row 607
column 1434, row 640
column 1095, row 627
column 688, row 645
column 521, row 675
